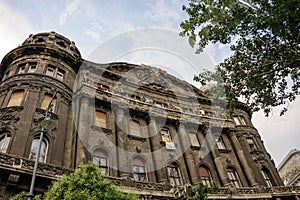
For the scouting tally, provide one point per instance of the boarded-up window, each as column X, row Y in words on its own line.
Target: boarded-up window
column 16, row 98
column 100, row 119
column 134, row 128
column 194, row 139
column 46, row 101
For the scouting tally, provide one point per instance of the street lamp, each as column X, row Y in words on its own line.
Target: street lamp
column 47, row 124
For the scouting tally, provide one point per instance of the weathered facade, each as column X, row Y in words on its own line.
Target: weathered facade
column 147, row 130
column 289, row 168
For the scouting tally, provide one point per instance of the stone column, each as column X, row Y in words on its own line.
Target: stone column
column 188, row 157
column 121, row 142
column 217, row 158
column 155, row 139
column 82, row 128
column 241, row 156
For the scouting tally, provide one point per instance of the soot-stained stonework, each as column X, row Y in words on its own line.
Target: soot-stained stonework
column 150, row 132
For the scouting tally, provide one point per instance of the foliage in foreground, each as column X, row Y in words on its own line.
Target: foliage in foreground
column 85, row 183
column 264, row 38
column 200, row 191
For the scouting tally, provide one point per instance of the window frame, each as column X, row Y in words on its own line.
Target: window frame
column 102, row 155
column 251, row 144
column 44, row 156
column 192, row 140
column 55, row 72
column 267, row 177
column 134, row 128
column 174, row 179
column 139, row 175
column 165, row 137
column 233, row 177
column 13, row 101
column 206, row 180
column 220, row 143
column 98, row 120
column 5, row 141
column 239, row 120
column 45, row 102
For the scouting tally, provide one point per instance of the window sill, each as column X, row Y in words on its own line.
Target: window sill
column 98, row 128
column 194, row 148
column 135, row 137
column 224, row 151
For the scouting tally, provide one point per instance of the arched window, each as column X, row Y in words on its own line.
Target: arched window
column 134, row 128
column 100, row 158
column 100, row 119
column 34, row 149
column 267, row 177
column 233, row 177
column 16, row 98
column 139, row 170
column 46, row 100
column 205, row 175
column 4, row 142
column 173, row 174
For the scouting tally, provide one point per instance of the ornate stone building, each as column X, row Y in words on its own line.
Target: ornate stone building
column 289, row 168
column 147, row 130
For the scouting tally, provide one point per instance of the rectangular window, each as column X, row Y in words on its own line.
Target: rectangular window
column 32, row 69
column 21, row 69
column 194, row 139
column 100, row 119
column 251, row 144
column 134, row 128
column 46, row 101
column 50, row 71
column 220, row 143
column 236, row 120
column 239, row 120
column 59, row 75
column 165, row 135
column 16, row 98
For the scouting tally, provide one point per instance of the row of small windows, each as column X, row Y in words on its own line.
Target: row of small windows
column 101, row 120
column 134, row 128
column 31, row 67
column 17, row 98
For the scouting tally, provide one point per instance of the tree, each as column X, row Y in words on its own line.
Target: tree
column 200, row 191
column 264, row 38
column 85, row 183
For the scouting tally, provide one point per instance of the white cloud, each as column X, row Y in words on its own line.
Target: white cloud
column 95, row 31
column 69, row 10
column 163, row 12
column 15, row 29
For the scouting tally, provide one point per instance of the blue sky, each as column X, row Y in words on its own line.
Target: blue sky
column 95, row 24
